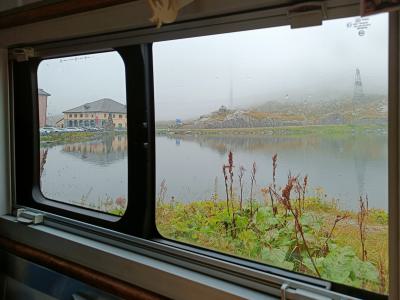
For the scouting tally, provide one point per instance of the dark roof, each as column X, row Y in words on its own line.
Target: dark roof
column 42, row 92
column 102, row 105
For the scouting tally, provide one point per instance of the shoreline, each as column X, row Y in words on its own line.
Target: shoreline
column 345, row 129
column 75, row 137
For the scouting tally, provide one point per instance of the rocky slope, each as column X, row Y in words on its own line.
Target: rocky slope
column 372, row 110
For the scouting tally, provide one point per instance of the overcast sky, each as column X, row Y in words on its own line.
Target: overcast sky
column 198, row 75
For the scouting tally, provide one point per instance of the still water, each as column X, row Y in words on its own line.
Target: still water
column 338, row 168
column 89, row 172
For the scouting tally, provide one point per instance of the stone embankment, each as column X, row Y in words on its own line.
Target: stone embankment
column 241, row 119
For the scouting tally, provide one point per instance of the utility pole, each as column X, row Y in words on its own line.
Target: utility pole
column 231, row 93
column 358, row 88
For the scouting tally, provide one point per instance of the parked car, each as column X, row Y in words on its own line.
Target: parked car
column 43, row 131
column 90, row 129
column 73, row 129
column 49, row 129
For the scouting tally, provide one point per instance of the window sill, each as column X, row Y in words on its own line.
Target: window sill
column 157, row 276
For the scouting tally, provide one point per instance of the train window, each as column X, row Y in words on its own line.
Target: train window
column 264, row 149
column 83, row 147
column 272, row 145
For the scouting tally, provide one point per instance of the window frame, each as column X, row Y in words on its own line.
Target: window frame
column 27, row 191
column 146, row 225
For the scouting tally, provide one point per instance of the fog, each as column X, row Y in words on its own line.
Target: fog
column 197, row 75
column 73, row 81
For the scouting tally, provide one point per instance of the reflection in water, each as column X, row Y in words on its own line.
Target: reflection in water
column 91, row 173
column 365, row 146
column 101, row 152
column 344, row 167
column 361, row 148
column 341, row 167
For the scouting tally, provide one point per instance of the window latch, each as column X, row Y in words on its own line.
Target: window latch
column 22, row 54
column 284, row 287
column 307, row 14
column 29, row 217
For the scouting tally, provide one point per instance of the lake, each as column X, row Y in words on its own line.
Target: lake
column 339, row 168
column 90, row 171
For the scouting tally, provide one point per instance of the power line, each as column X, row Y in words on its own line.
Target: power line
column 75, row 58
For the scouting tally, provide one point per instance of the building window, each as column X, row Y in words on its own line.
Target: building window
column 113, row 115
column 75, row 115
column 105, row 115
column 120, row 116
column 267, row 184
column 70, row 115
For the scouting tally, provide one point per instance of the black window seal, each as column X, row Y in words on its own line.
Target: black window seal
column 25, row 139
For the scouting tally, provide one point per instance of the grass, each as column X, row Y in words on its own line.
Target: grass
column 289, row 131
column 287, row 229
column 72, row 137
column 271, row 240
column 68, row 137
column 108, row 204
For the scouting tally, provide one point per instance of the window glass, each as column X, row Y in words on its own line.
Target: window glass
column 272, row 146
column 83, row 158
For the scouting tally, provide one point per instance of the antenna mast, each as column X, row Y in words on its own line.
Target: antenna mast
column 358, row 88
